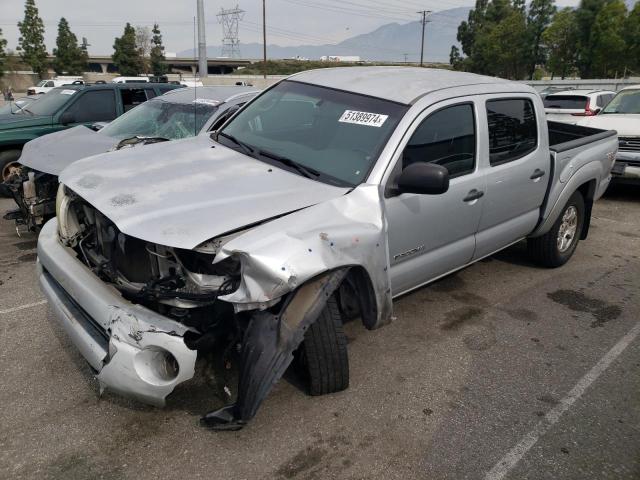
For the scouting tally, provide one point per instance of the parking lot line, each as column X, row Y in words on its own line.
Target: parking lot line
column 22, row 307
column 511, row 459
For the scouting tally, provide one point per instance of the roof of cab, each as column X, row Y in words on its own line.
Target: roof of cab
column 399, row 84
column 219, row 93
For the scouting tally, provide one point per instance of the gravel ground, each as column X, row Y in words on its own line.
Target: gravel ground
column 501, row 362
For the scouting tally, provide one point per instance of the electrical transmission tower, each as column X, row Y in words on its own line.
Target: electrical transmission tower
column 230, row 19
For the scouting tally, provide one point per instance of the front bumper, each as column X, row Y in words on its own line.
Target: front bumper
column 135, row 351
column 627, row 166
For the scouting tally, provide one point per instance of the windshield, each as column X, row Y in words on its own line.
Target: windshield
column 51, row 101
column 335, row 135
column 159, row 118
column 568, row 102
column 42, row 83
column 626, row 101
column 16, row 106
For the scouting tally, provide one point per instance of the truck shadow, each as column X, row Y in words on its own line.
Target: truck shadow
column 623, row 192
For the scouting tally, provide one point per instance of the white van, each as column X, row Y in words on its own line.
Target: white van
column 130, row 80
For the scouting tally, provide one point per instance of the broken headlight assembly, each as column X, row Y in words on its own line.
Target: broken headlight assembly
column 68, row 227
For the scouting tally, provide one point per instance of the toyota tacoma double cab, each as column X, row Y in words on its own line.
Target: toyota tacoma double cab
column 325, row 197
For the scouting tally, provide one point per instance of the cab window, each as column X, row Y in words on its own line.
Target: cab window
column 446, row 137
column 132, row 97
column 513, row 132
column 95, row 106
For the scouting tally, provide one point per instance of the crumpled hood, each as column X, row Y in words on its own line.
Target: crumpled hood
column 185, row 192
column 19, row 120
column 627, row 125
column 54, row 152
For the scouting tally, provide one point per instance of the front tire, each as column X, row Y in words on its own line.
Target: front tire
column 556, row 247
column 323, row 357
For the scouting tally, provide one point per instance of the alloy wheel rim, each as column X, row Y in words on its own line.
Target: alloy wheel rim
column 568, row 229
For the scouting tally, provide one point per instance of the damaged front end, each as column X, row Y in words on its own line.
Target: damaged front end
column 249, row 294
column 35, row 195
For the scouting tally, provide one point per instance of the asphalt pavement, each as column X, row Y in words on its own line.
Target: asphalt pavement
column 503, row 370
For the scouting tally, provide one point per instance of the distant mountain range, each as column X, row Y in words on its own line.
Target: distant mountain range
column 387, row 43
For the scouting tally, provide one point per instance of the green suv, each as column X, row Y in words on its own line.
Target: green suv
column 68, row 106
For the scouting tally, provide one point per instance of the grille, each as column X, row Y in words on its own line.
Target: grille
column 629, row 144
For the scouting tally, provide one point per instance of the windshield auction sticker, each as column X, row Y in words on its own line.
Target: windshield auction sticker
column 363, row 118
column 67, row 92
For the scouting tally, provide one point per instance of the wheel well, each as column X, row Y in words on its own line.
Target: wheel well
column 588, row 191
column 357, row 297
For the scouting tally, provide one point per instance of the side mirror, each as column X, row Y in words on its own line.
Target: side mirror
column 66, row 118
column 597, row 111
column 424, row 178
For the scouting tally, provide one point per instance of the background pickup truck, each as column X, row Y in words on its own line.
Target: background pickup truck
column 65, row 107
column 322, row 199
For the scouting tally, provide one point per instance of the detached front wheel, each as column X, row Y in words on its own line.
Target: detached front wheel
column 556, row 247
column 8, row 164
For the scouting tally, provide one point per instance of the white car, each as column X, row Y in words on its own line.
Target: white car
column 569, row 105
column 623, row 115
column 44, row 86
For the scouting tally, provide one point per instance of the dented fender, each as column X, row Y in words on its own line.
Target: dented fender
column 281, row 255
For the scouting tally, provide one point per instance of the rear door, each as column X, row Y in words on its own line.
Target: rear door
column 430, row 235
column 517, row 173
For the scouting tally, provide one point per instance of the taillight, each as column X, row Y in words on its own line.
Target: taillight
column 587, row 111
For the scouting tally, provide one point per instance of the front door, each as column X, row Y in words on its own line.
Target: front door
column 430, row 235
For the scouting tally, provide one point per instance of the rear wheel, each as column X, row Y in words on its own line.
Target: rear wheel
column 322, row 357
column 556, row 247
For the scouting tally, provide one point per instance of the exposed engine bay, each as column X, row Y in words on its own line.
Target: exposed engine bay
column 183, row 285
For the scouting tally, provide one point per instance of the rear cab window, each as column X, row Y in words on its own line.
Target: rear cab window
column 513, row 131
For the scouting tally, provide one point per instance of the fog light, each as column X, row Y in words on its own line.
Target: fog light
column 156, row 366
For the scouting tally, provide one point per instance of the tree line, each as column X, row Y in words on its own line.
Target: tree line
column 139, row 50
column 505, row 38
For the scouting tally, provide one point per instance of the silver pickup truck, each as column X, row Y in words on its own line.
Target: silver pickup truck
column 324, row 198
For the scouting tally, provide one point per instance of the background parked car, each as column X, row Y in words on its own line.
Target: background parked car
column 178, row 114
column 65, row 107
column 551, row 90
column 45, row 86
column 623, row 115
column 567, row 106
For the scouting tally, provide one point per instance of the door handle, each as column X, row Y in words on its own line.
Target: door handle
column 537, row 174
column 473, row 195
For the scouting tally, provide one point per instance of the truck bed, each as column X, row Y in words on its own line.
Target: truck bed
column 564, row 136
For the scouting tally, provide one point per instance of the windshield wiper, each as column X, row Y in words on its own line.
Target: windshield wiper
column 131, row 141
column 247, row 149
column 25, row 109
column 301, row 169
